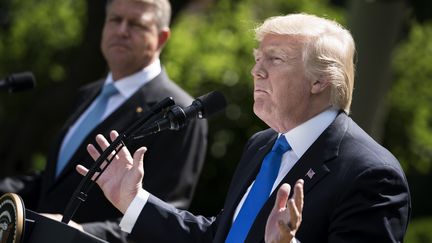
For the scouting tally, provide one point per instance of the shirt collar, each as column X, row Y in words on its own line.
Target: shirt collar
column 303, row 136
column 130, row 84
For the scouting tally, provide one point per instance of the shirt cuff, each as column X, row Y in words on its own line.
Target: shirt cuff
column 133, row 211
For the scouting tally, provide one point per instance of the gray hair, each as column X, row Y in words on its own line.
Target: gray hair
column 162, row 11
column 328, row 52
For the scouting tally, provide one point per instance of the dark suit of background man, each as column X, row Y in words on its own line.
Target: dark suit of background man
column 133, row 36
column 354, row 189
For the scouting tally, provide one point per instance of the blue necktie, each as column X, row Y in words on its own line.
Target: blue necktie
column 87, row 124
column 259, row 192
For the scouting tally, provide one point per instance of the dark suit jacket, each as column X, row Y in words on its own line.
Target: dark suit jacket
column 172, row 165
column 358, row 194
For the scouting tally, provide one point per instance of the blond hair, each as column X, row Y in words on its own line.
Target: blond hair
column 328, row 53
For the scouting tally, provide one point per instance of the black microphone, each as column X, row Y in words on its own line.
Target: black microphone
column 80, row 193
column 177, row 117
column 18, row 82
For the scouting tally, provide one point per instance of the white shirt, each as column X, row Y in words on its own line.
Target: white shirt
column 300, row 139
column 126, row 86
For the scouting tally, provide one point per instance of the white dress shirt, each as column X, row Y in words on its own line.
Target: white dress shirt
column 126, row 86
column 300, row 139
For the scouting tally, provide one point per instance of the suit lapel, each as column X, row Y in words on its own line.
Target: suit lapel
column 324, row 149
column 87, row 96
column 119, row 120
column 245, row 174
column 249, row 173
column 84, row 99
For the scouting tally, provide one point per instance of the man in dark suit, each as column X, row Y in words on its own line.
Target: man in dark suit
column 134, row 34
column 354, row 189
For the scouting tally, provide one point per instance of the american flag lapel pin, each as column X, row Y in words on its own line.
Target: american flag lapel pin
column 310, row 173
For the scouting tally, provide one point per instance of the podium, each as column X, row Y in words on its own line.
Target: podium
column 20, row 225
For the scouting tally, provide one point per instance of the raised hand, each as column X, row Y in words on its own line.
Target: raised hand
column 122, row 179
column 286, row 215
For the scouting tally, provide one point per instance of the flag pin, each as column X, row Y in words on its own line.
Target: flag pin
column 310, row 173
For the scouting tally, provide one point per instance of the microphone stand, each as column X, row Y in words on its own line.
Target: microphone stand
column 80, row 194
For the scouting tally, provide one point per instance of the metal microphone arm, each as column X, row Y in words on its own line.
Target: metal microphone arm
column 80, row 194
column 177, row 117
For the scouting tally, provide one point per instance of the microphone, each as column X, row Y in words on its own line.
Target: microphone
column 18, row 82
column 177, row 117
column 149, row 117
column 80, row 193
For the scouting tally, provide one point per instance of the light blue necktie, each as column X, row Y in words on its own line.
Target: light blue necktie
column 87, row 124
column 259, row 192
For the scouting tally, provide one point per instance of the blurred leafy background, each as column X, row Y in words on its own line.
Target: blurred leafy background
column 210, row 49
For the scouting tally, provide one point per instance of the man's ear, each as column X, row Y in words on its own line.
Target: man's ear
column 319, row 86
column 164, row 35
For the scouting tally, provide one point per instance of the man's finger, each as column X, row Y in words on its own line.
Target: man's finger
column 83, row 171
column 123, row 152
column 113, row 135
column 94, row 153
column 295, row 217
column 102, row 142
column 138, row 159
column 282, row 196
column 299, row 195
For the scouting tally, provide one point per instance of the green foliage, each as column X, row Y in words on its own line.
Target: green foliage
column 37, row 31
column 419, row 231
column 409, row 129
column 212, row 50
column 37, row 36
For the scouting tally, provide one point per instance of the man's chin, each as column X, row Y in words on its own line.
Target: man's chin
column 259, row 109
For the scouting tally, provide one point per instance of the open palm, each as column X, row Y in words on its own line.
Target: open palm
column 122, row 179
column 285, row 217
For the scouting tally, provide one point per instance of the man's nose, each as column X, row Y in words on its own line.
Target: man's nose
column 123, row 28
column 258, row 71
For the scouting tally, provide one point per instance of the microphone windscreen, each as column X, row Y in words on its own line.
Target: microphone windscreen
column 21, row 81
column 212, row 103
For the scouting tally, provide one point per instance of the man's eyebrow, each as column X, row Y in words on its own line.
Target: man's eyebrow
column 256, row 52
column 273, row 50
column 278, row 51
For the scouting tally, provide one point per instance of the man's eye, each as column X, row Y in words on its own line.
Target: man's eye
column 139, row 26
column 276, row 59
column 115, row 19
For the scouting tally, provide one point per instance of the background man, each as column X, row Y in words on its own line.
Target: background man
column 354, row 189
column 134, row 34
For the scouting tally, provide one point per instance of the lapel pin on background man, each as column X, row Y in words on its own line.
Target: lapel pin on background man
column 133, row 36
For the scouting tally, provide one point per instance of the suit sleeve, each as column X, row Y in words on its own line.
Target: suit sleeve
column 173, row 163
column 161, row 222
column 108, row 230
column 375, row 209
column 172, row 167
